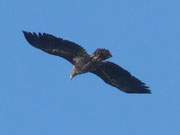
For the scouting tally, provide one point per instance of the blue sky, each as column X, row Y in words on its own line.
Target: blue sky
column 36, row 94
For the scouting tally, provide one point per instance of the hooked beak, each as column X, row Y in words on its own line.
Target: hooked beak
column 72, row 76
column 73, row 73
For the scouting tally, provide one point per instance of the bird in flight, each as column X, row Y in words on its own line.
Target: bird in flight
column 83, row 62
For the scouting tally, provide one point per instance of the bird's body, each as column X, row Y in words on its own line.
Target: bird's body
column 83, row 62
column 90, row 63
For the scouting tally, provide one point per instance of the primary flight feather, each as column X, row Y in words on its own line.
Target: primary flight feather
column 96, row 63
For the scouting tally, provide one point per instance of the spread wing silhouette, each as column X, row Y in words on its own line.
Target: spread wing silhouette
column 120, row 78
column 56, row 46
column 111, row 73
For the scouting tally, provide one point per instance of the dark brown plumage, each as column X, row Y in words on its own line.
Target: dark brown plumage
column 83, row 62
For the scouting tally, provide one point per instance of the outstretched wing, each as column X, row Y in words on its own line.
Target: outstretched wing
column 120, row 78
column 55, row 46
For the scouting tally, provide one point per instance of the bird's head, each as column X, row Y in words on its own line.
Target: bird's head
column 74, row 73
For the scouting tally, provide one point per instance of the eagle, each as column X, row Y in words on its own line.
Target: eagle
column 83, row 62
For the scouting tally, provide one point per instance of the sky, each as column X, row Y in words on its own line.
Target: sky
column 37, row 96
